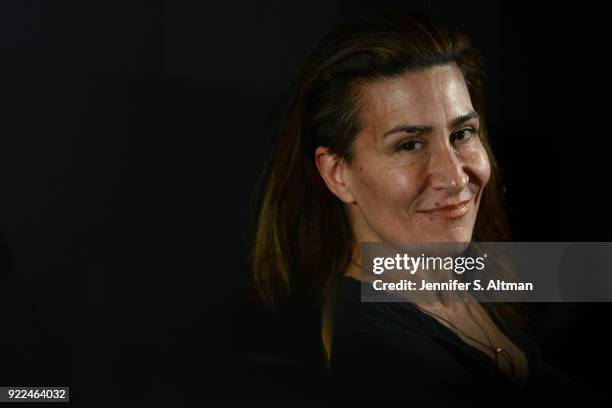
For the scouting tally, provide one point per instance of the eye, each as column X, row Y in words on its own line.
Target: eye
column 464, row 134
column 410, row 145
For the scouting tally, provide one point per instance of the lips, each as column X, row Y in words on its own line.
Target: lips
column 450, row 211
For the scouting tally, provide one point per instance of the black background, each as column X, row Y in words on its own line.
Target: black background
column 132, row 137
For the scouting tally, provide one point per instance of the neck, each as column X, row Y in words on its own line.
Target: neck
column 442, row 304
column 353, row 270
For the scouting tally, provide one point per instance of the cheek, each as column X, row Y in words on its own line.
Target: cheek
column 484, row 168
column 371, row 183
column 478, row 162
column 408, row 184
column 389, row 186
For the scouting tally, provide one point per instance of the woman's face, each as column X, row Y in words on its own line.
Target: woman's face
column 419, row 151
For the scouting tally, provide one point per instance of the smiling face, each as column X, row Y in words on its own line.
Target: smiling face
column 419, row 150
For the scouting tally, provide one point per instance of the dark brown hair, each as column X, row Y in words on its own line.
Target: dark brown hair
column 301, row 240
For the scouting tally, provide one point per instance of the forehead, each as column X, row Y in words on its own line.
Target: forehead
column 432, row 96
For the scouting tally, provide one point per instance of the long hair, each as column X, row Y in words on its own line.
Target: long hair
column 301, row 241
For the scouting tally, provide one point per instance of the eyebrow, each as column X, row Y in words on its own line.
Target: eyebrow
column 425, row 129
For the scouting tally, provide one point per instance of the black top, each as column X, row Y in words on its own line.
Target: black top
column 393, row 350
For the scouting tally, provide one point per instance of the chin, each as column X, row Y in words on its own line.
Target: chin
column 466, row 237
column 462, row 236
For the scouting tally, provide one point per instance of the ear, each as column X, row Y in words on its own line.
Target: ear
column 333, row 172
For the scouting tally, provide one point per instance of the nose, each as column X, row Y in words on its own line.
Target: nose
column 447, row 170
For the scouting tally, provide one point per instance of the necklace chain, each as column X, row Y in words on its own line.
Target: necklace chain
column 496, row 350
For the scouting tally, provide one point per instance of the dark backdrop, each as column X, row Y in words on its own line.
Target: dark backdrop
column 132, row 136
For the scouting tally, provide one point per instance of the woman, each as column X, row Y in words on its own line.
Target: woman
column 384, row 140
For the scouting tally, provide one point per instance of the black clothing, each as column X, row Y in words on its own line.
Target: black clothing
column 394, row 351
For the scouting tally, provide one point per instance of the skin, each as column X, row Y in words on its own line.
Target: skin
column 394, row 180
column 393, row 186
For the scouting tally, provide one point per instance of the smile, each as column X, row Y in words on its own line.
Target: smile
column 450, row 212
